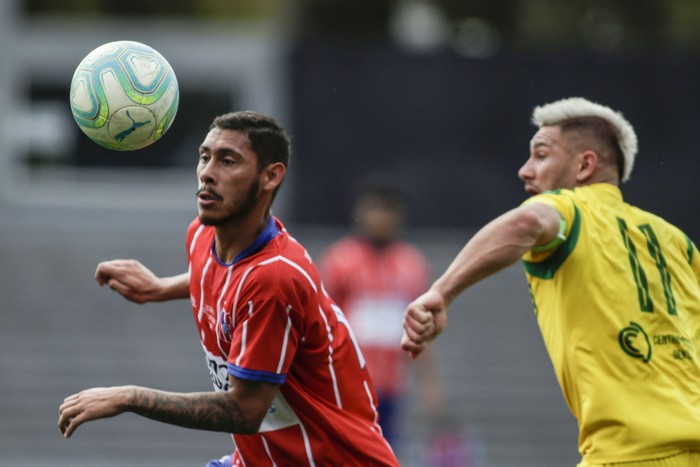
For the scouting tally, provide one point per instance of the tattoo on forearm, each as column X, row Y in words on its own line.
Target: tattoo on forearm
column 215, row 411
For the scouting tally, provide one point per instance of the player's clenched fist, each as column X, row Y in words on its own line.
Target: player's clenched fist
column 423, row 320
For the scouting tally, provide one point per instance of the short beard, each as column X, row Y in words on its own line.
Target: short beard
column 247, row 206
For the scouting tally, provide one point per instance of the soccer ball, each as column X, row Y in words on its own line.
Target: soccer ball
column 124, row 95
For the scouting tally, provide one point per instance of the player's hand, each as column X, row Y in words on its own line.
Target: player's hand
column 129, row 278
column 423, row 320
column 91, row 404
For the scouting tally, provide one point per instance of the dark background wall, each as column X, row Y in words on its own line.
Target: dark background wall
column 453, row 131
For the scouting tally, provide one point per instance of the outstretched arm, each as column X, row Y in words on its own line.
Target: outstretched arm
column 239, row 410
column 496, row 246
column 137, row 283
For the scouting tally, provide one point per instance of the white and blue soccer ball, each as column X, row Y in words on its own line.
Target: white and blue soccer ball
column 124, row 95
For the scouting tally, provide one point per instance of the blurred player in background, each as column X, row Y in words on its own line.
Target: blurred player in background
column 616, row 291
column 289, row 378
column 373, row 275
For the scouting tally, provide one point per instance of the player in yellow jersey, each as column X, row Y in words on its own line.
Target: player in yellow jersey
column 616, row 291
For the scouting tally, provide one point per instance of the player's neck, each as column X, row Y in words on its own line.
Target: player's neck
column 603, row 175
column 231, row 239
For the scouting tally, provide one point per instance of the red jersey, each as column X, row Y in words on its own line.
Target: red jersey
column 266, row 317
column 373, row 286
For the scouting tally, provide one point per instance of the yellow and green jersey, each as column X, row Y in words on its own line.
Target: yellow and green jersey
column 618, row 305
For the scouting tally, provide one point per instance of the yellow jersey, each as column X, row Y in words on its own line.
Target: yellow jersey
column 618, row 305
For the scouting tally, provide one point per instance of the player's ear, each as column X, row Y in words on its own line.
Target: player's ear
column 272, row 175
column 587, row 165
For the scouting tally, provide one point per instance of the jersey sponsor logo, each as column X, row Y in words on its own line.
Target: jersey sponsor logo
column 635, row 342
column 218, row 371
column 682, row 347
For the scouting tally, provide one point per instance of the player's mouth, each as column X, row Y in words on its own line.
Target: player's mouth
column 206, row 196
column 531, row 189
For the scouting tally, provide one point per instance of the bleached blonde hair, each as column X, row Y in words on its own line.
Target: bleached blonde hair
column 557, row 112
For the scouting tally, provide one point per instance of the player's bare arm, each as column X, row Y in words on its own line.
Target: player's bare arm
column 239, row 410
column 137, row 283
column 499, row 244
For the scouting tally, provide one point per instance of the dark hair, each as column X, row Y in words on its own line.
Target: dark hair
column 600, row 132
column 268, row 139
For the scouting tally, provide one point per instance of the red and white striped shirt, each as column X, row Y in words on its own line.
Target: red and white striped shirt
column 373, row 286
column 266, row 317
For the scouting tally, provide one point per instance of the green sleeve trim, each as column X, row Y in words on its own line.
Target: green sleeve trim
column 558, row 240
column 546, row 269
column 691, row 249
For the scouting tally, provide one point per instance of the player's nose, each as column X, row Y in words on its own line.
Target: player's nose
column 525, row 172
column 206, row 173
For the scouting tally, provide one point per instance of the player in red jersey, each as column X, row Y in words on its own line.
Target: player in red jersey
column 290, row 381
column 373, row 274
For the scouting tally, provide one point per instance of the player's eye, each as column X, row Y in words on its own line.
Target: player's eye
column 203, row 158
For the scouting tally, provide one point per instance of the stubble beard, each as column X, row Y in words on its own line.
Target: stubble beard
column 247, row 206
